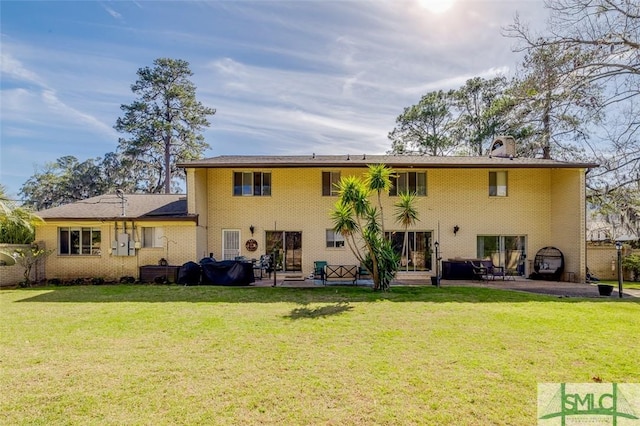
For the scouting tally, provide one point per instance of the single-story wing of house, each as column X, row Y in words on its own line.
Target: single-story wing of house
column 111, row 236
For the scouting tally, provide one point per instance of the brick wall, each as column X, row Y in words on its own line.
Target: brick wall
column 545, row 205
column 178, row 248
column 602, row 261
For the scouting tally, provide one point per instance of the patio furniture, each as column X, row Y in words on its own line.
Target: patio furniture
column 318, row 269
column 341, row 273
column 548, row 264
column 479, row 271
column 494, row 271
column 457, row 269
column 226, row 272
column 485, row 270
column 363, row 273
column 261, row 266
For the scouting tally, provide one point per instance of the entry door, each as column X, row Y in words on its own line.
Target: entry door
column 230, row 244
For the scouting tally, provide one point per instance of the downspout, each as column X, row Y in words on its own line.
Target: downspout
column 583, row 274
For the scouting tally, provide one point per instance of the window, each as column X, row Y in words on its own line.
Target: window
column 497, row 184
column 152, row 237
column 334, row 239
column 251, row 184
column 412, row 182
column 79, row 241
column 330, row 181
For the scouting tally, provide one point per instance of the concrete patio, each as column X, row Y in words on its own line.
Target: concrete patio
column 555, row 288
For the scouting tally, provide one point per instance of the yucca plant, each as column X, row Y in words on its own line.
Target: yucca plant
column 361, row 223
column 17, row 224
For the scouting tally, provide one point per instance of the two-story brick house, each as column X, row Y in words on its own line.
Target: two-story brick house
column 502, row 208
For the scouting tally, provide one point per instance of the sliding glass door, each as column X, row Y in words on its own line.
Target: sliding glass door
column 288, row 248
column 504, row 250
column 417, row 256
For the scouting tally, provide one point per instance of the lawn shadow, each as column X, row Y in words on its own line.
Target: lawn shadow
column 319, row 312
column 304, row 296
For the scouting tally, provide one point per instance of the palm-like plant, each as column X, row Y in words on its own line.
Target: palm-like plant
column 378, row 179
column 355, row 216
column 406, row 215
column 17, row 224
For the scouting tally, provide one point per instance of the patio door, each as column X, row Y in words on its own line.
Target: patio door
column 288, row 248
column 503, row 250
column 230, row 244
column 418, row 255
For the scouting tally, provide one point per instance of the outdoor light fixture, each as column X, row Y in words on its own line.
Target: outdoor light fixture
column 456, row 229
column 619, row 250
column 252, row 229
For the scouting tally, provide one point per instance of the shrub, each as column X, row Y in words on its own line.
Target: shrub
column 632, row 263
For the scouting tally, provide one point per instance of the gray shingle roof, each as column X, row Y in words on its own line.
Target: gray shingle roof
column 361, row 160
column 136, row 206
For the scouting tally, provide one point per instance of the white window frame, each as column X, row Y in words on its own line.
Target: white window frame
column 498, row 183
column 152, row 237
column 334, row 239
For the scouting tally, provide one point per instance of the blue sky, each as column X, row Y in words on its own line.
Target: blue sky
column 286, row 77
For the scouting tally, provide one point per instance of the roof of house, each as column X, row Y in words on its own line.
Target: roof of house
column 395, row 161
column 127, row 207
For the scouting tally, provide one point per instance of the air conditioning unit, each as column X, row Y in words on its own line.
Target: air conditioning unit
column 503, row 146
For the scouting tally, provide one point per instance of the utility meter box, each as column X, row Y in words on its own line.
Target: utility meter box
column 123, row 246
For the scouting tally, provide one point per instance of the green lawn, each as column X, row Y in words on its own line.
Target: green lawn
column 625, row 284
column 167, row 355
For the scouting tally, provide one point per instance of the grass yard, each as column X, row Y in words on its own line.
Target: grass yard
column 625, row 284
column 172, row 355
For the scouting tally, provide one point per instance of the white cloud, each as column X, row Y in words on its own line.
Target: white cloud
column 285, row 77
column 13, row 69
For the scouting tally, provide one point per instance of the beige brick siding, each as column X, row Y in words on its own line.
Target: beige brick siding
column 545, row 205
column 180, row 239
column 602, row 262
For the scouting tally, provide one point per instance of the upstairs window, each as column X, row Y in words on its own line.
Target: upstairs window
column 79, row 241
column 411, row 182
column 257, row 184
column 330, row 182
column 497, row 184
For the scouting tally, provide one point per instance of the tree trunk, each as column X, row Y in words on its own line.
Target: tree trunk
column 167, row 164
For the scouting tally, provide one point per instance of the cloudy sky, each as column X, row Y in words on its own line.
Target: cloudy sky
column 286, row 77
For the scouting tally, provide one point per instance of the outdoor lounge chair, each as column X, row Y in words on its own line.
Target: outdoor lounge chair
column 485, row 270
column 479, row 271
column 318, row 269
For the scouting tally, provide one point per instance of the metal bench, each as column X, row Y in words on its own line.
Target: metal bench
column 340, row 273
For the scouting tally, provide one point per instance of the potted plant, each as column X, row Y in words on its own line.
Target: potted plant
column 605, row 289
